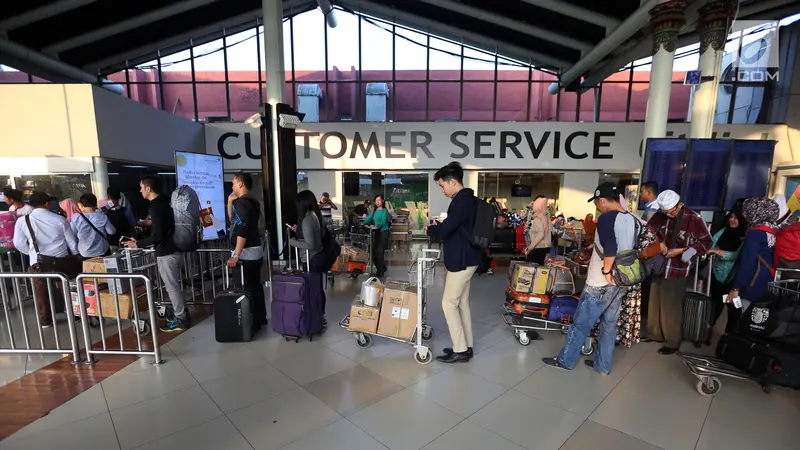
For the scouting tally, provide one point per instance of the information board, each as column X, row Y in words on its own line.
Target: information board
column 203, row 173
column 751, row 162
column 704, row 183
column 664, row 163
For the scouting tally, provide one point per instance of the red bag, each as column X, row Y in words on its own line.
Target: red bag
column 787, row 245
column 520, row 239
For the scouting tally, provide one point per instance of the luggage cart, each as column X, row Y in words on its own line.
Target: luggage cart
column 421, row 273
column 361, row 239
column 709, row 369
column 525, row 327
column 132, row 261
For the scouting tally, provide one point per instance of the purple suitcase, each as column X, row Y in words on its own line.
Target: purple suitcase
column 562, row 309
column 298, row 304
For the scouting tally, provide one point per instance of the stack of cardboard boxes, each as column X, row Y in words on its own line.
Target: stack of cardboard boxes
column 527, row 288
column 395, row 316
column 105, row 290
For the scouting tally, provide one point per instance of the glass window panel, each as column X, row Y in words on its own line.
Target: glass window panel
column 638, row 106
column 614, row 102
column 512, row 101
column 9, row 74
column 478, row 101
column 543, row 104
column 176, row 67
column 445, row 60
column 679, row 101
column 287, row 49
column 62, row 186
column 243, row 56
column 144, row 73
column 376, row 49
column 145, row 93
column 209, row 62
column 587, row 106
column 408, row 193
column 179, row 99
column 412, row 54
column 568, row 106
column 244, row 100
column 478, row 65
column 211, row 100
column 309, row 45
column 511, row 70
column 445, row 102
column 409, row 101
column 342, row 99
column 343, row 47
column 289, row 95
column 40, row 80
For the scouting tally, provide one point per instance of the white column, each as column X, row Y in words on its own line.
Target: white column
column 273, row 66
column 99, row 177
column 713, row 28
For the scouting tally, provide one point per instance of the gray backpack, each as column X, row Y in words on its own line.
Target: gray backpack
column 628, row 269
column 186, row 211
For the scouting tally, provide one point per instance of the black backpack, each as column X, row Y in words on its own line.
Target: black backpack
column 123, row 228
column 483, row 227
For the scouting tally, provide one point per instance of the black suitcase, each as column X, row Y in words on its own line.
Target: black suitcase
column 233, row 314
column 699, row 312
column 769, row 363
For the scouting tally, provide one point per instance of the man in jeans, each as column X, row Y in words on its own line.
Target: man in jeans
column 684, row 235
column 460, row 259
column 245, row 213
column 601, row 298
column 169, row 259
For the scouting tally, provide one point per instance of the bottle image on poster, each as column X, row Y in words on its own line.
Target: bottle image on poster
column 203, row 173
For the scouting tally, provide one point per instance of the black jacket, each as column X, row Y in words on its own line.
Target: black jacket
column 456, row 229
column 246, row 214
column 163, row 227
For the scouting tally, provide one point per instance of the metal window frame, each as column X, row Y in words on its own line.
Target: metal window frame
column 194, row 82
column 630, row 94
column 428, row 78
column 494, row 97
column 258, row 62
column 227, row 77
column 530, row 88
column 393, row 91
column 359, row 76
column 160, row 81
column 461, row 87
column 327, row 86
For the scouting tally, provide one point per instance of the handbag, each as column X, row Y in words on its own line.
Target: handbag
column 657, row 265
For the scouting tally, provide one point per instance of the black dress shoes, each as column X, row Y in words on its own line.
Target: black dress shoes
column 453, row 358
column 667, row 350
column 449, row 350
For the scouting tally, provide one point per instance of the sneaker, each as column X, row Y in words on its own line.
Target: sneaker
column 590, row 364
column 175, row 325
column 46, row 325
column 554, row 362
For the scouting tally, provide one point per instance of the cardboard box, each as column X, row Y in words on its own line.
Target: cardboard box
column 107, row 304
column 400, row 227
column 364, row 318
column 109, row 265
column 340, row 266
column 355, row 255
column 541, row 281
column 522, row 277
column 401, row 236
column 398, row 310
column 514, row 263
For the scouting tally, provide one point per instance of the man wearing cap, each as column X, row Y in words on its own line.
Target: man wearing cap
column 601, row 298
column 683, row 235
column 325, row 207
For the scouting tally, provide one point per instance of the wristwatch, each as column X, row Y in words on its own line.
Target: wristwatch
column 606, row 273
column 234, row 255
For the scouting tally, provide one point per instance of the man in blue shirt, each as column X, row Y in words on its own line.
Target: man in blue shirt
column 460, row 260
column 648, row 195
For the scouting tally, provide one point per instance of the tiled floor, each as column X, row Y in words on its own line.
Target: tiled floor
column 329, row 394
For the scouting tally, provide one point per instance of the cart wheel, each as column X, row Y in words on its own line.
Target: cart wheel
column 766, row 389
column 146, row 329
column 524, row 339
column 94, row 322
column 708, row 386
column 587, row 349
column 516, row 333
column 564, row 329
column 363, row 340
column 427, row 334
column 423, row 359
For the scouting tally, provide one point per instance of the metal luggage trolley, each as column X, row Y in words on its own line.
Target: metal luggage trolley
column 421, row 273
column 131, row 261
column 361, row 238
column 709, row 369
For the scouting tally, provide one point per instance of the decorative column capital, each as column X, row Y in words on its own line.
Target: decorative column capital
column 713, row 24
column 666, row 20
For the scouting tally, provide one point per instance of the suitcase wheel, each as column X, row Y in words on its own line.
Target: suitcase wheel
column 708, row 386
column 427, row 333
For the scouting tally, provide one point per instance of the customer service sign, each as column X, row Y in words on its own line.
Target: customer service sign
column 478, row 145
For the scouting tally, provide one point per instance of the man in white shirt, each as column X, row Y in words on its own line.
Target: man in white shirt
column 15, row 204
column 92, row 228
column 50, row 249
column 648, row 195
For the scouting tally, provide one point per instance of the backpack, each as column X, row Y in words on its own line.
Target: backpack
column 483, row 227
column 123, row 228
column 628, row 269
column 186, row 212
column 787, row 245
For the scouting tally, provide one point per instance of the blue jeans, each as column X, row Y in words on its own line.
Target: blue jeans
column 601, row 303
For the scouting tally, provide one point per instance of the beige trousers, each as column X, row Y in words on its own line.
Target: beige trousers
column 455, row 303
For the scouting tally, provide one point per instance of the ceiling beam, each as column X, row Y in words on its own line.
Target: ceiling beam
column 570, row 10
column 456, row 34
column 124, row 25
column 41, row 13
column 512, row 24
column 197, row 34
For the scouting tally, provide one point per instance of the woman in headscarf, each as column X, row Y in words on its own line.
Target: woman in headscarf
column 753, row 269
column 70, row 207
column 727, row 243
column 541, row 232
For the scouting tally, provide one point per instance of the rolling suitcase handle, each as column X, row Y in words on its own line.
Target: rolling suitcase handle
column 226, row 276
column 696, row 289
column 297, row 255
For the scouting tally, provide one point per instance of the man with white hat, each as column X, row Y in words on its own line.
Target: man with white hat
column 683, row 235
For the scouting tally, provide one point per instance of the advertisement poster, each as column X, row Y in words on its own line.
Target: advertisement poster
column 203, row 173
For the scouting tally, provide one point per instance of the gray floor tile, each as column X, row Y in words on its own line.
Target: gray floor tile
column 528, row 422
column 313, row 365
column 459, row 390
column 599, row 437
column 468, row 435
column 95, row 432
column 340, row 435
column 216, row 434
column 352, row 389
column 401, row 368
column 129, row 387
column 270, row 424
column 506, row 363
column 249, row 386
column 405, row 421
column 716, row 436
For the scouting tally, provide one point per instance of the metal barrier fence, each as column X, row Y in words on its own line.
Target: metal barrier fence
column 73, row 347
column 142, row 327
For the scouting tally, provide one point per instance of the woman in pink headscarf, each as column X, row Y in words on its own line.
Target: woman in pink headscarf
column 541, row 232
column 70, row 207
